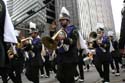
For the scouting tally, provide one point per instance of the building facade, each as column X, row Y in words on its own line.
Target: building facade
column 21, row 9
column 92, row 12
column 85, row 14
column 10, row 6
column 50, row 10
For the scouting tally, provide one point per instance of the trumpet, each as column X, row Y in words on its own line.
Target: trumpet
column 51, row 43
column 25, row 41
column 96, row 37
column 93, row 36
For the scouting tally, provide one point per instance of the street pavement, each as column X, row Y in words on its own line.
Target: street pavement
column 90, row 77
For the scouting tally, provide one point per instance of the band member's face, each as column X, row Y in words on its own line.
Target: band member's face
column 64, row 22
column 100, row 33
column 110, row 37
column 34, row 34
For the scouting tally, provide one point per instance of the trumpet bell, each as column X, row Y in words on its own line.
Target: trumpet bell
column 49, row 43
column 93, row 35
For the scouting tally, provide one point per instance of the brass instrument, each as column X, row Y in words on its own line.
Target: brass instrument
column 12, row 51
column 51, row 43
column 19, row 45
column 24, row 43
column 26, row 39
column 93, row 36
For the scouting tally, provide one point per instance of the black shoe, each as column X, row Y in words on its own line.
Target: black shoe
column 123, row 80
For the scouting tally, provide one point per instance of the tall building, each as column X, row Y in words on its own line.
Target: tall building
column 50, row 10
column 92, row 12
column 10, row 6
column 21, row 9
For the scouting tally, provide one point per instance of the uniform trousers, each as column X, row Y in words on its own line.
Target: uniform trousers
column 102, row 65
column 66, row 72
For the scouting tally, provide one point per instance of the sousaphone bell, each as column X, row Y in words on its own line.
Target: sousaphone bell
column 51, row 43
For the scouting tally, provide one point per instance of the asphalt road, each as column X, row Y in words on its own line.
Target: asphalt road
column 90, row 77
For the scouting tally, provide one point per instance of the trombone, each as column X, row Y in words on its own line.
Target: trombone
column 51, row 43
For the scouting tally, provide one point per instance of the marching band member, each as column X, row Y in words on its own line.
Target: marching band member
column 52, row 30
column 114, row 53
column 17, row 61
column 67, row 57
column 7, row 37
column 122, row 37
column 102, row 54
column 34, row 52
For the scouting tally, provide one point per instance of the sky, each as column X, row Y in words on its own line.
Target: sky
column 116, row 8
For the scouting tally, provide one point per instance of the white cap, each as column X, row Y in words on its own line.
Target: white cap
column 32, row 25
column 110, row 33
column 64, row 14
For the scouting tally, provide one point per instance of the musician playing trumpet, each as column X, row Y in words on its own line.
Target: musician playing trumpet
column 101, row 58
column 33, row 49
column 17, row 58
column 67, row 53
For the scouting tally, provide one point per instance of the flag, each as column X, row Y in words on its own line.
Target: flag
column 9, row 33
column 82, row 43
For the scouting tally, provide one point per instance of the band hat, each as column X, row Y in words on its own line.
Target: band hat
column 110, row 33
column 32, row 25
column 100, row 27
column 64, row 14
column 33, row 28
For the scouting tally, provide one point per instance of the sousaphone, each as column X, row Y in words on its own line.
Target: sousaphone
column 51, row 43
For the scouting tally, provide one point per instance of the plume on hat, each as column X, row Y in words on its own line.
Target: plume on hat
column 64, row 14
